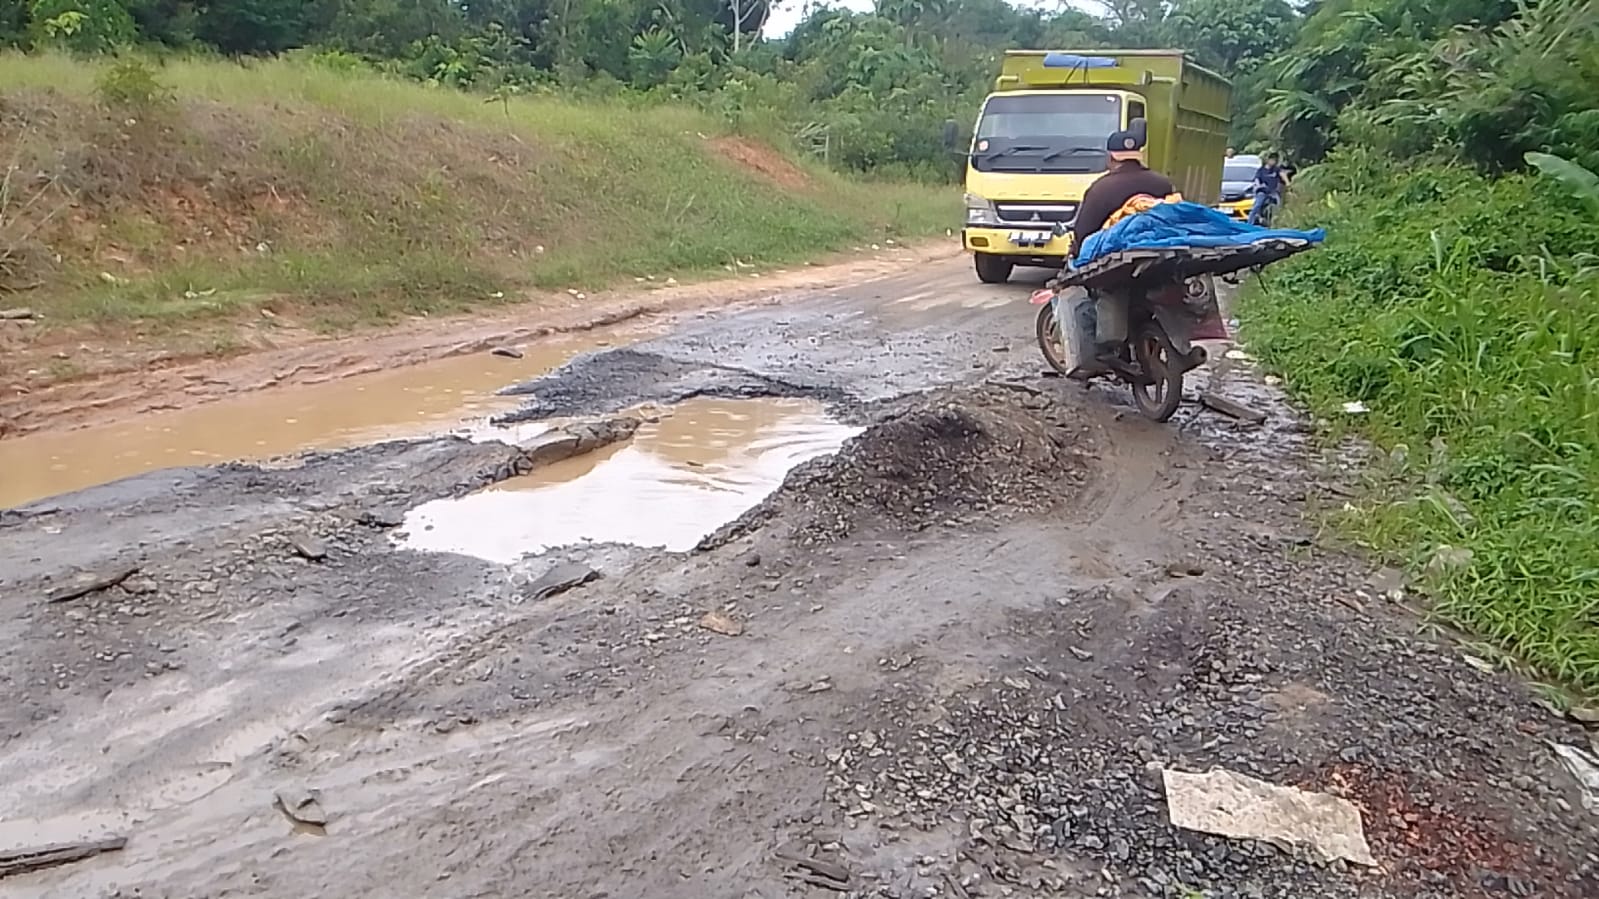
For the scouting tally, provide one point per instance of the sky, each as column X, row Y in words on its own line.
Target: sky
column 788, row 13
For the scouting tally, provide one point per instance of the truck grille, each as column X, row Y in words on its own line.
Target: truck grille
column 1022, row 212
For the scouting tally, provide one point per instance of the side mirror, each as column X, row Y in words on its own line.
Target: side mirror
column 951, row 135
column 1140, row 130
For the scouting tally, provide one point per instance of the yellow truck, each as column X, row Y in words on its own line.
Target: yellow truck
column 1040, row 141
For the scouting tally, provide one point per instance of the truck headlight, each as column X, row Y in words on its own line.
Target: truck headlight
column 980, row 211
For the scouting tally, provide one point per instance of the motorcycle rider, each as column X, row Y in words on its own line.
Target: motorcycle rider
column 1269, row 182
column 1125, row 178
column 1128, row 187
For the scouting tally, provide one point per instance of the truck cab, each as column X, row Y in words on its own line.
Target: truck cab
column 1039, row 142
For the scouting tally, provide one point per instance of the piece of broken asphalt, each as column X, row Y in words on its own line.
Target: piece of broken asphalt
column 1232, row 408
column 815, row 871
column 302, row 806
column 1584, row 768
column 308, row 547
column 382, row 517
column 86, row 582
column 559, row 579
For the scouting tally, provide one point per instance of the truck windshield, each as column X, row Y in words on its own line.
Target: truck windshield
column 1045, row 132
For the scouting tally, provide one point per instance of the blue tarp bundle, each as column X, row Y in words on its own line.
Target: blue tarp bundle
column 1183, row 224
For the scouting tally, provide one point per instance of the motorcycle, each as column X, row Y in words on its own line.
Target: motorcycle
column 1267, row 209
column 1142, row 336
column 1134, row 315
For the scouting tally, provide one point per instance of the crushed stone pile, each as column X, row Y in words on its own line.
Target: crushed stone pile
column 948, row 457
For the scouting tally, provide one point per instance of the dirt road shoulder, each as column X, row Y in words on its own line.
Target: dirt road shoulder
column 147, row 379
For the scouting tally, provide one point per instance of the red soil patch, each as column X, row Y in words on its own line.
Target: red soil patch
column 763, row 161
column 1414, row 837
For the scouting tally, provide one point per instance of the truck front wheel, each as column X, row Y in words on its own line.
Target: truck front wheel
column 993, row 269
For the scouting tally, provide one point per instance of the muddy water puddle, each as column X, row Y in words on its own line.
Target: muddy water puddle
column 406, row 402
column 701, row 465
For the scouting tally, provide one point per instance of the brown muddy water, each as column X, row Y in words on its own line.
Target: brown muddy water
column 699, row 466
column 412, row 401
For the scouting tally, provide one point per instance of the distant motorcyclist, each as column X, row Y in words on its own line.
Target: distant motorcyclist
column 1269, row 182
column 1127, row 177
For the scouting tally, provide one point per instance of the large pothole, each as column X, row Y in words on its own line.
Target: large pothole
column 710, row 469
column 684, row 474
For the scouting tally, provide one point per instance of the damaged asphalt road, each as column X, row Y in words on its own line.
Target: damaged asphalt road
column 874, row 343
column 951, row 660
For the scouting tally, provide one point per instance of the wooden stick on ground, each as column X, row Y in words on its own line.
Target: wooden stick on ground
column 1232, row 408
column 21, row 861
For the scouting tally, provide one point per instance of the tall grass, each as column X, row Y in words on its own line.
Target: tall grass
column 1464, row 314
column 407, row 198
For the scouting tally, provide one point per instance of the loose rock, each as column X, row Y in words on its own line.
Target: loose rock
column 721, row 623
column 302, row 806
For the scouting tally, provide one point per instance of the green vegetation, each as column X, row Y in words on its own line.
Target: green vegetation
column 1455, row 299
column 359, row 197
column 865, row 91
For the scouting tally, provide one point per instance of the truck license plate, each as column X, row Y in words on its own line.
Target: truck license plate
column 1030, row 238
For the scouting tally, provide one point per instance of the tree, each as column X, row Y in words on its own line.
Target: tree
column 747, row 17
column 1123, row 13
column 653, row 56
column 169, row 22
column 242, row 27
column 1137, row 22
column 383, row 28
column 546, row 31
column 1354, row 56
column 13, row 22
column 81, row 26
column 1234, row 36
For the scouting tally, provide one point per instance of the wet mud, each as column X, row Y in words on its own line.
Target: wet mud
column 408, row 402
column 947, row 659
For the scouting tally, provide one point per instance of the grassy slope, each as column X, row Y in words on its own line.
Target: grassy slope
column 1462, row 313
column 349, row 198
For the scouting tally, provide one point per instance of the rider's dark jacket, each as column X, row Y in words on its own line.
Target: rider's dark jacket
column 1111, row 192
column 1270, row 178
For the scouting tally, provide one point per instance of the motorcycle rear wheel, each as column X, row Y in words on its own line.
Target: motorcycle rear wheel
column 1158, row 398
column 1050, row 340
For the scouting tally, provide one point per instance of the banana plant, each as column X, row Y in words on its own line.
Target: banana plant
column 1583, row 184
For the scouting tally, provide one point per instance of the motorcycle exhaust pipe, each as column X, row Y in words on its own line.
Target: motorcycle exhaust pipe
column 1196, row 357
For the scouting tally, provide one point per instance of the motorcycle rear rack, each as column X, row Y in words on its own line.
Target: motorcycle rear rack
column 1126, row 268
